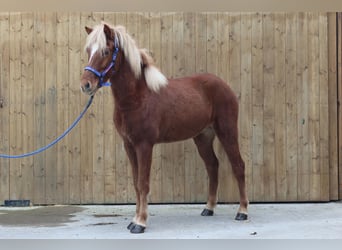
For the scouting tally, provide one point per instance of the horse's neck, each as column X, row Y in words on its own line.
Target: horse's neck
column 127, row 90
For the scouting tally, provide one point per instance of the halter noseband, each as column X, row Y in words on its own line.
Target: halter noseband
column 102, row 74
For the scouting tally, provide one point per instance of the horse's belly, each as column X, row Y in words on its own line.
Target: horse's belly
column 183, row 127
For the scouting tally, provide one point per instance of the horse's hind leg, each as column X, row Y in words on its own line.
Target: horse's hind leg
column 227, row 132
column 204, row 143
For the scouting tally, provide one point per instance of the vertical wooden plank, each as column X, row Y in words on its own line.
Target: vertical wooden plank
column 201, row 181
column 291, row 106
column 333, row 116
column 178, row 45
column 245, row 115
column 62, row 78
column 166, row 19
column 212, row 46
column 132, row 25
column 223, row 45
column 201, row 40
column 155, row 50
column 143, row 37
column 109, row 135
column 178, row 65
column 51, row 105
column 339, row 84
column 39, row 106
column 27, row 106
column 280, row 107
column 98, row 134
column 189, row 55
column 234, row 53
column 313, row 46
column 324, row 106
column 269, row 109
column 258, row 98
column 74, row 138
column 303, row 104
column 166, row 66
column 16, row 181
column 4, row 105
column 88, row 125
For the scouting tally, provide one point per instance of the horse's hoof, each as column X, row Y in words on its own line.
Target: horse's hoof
column 241, row 217
column 131, row 225
column 207, row 212
column 137, row 229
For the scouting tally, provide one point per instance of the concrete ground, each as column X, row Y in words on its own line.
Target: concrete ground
column 266, row 221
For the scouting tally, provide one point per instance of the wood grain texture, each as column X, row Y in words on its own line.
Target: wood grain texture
column 280, row 106
column 4, row 109
column 339, row 83
column 257, row 109
column 333, row 107
column 39, row 108
column 27, row 107
column 302, row 109
column 62, row 84
column 291, row 106
column 51, row 106
column 15, row 107
column 74, row 139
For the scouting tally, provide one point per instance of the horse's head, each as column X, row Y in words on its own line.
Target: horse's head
column 108, row 48
column 102, row 49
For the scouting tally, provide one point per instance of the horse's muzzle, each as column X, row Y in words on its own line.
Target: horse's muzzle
column 87, row 89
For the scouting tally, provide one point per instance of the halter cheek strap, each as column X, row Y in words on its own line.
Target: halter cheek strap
column 102, row 74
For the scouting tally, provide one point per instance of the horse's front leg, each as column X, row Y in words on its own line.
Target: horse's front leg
column 144, row 159
column 132, row 156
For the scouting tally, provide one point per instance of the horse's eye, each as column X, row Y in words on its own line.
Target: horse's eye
column 106, row 52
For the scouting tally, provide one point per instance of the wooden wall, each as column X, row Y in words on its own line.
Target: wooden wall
column 339, row 100
column 282, row 66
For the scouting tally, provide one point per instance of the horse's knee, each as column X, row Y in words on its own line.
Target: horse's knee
column 239, row 170
column 144, row 189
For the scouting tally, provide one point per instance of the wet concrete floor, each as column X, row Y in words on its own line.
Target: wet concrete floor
column 266, row 221
column 46, row 216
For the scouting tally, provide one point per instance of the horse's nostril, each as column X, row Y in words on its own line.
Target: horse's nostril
column 87, row 86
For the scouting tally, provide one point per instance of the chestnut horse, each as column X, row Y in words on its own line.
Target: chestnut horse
column 151, row 109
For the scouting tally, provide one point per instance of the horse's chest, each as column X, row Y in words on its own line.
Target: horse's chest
column 122, row 125
column 131, row 126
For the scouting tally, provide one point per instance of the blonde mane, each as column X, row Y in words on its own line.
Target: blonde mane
column 135, row 57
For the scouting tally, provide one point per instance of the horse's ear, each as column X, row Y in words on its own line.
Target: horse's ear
column 88, row 30
column 108, row 31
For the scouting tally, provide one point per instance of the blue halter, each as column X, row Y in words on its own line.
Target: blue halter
column 102, row 74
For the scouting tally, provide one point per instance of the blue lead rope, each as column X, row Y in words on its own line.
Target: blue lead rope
column 54, row 141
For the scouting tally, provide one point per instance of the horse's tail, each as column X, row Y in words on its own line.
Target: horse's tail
column 155, row 80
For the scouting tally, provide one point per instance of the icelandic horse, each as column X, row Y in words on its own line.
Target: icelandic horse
column 151, row 109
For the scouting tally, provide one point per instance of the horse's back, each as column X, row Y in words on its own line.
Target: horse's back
column 213, row 90
column 209, row 83
column 219, row 101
